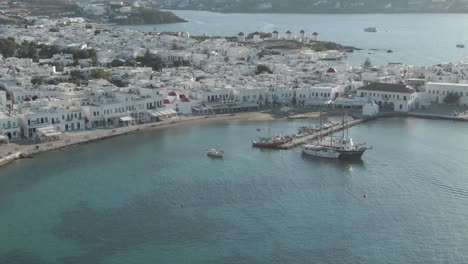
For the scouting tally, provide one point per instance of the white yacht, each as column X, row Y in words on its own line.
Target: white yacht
column 215, row 153
column 320, row 151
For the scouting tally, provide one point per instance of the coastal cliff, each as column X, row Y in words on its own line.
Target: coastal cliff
column 150, row 17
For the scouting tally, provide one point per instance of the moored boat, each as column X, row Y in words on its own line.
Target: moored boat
column 273, row 142
column 320, row 151
column 346, row 147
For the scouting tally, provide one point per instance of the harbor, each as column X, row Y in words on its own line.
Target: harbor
column 298, row 141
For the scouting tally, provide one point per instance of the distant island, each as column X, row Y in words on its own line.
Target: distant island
column 118, row 12
column 318, row 6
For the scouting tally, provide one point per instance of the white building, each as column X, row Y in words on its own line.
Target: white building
column 62, row 119
column 9, row 126
column 241, row 37
column 394, row 97
column 438, row 91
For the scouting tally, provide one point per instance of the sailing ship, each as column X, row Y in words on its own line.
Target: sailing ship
column 345, row 145
column 321, row 150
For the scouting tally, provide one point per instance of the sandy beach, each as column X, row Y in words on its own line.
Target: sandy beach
column 87, row 136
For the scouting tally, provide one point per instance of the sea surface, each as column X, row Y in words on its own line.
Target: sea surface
column 155, row 197
column 417, row 39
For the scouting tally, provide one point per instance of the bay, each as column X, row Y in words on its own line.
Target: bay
column 417, row 39
column 155, row 197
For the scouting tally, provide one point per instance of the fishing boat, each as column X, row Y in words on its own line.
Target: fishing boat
column 320, row 151
column 215, row 153
column 271, row 142
column 460, row 46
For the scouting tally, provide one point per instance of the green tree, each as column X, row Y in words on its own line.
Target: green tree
column 8, row 47
column 261, row 68
column 100, row 74
column 151, row 60
column 367, row 64
column 452, row 98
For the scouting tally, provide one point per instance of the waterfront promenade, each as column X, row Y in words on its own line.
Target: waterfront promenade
column 83, row 137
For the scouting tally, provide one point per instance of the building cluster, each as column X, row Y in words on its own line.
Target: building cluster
column 213, row 75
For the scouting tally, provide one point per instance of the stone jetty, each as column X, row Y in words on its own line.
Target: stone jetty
column 303, row 140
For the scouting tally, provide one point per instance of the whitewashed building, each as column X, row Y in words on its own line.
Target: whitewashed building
column 438, row 91
column 9, row 126
column 394, row 97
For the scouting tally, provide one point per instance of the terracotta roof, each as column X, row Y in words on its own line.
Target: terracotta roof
column 181, row 96
column 172, row 93
column 331, row 70
column 388, row 87
column 185, row 100
column 166, row 101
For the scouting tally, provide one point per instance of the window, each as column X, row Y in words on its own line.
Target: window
column 404, row 97
column 401, row 106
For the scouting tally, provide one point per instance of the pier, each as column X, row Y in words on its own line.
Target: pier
column 300, row 141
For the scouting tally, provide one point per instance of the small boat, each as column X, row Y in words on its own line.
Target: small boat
column 215, row 153
column 460, row 46
column 370, row 29
column 320, row 151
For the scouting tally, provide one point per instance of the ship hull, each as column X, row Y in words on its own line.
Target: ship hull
column 351, row 154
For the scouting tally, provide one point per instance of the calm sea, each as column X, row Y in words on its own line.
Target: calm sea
column 415, row 38
column 155, row 197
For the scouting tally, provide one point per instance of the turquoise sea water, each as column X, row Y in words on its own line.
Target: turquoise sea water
column 415, row 38
column 155, row 197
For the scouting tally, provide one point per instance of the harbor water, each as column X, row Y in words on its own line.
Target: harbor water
column 417, row 39
column 155, row 197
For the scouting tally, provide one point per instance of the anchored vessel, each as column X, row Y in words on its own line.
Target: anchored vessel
column 346, row 147
column 271, row 142
column 370, row 29
column 215, row 153
column 320, row 151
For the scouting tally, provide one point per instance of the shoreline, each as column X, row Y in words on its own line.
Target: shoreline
column 14, row 151
column 90, row 136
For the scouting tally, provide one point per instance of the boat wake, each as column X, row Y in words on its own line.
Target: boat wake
column 447, row 188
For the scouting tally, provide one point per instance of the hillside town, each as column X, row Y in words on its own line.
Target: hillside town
column 64, row 76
